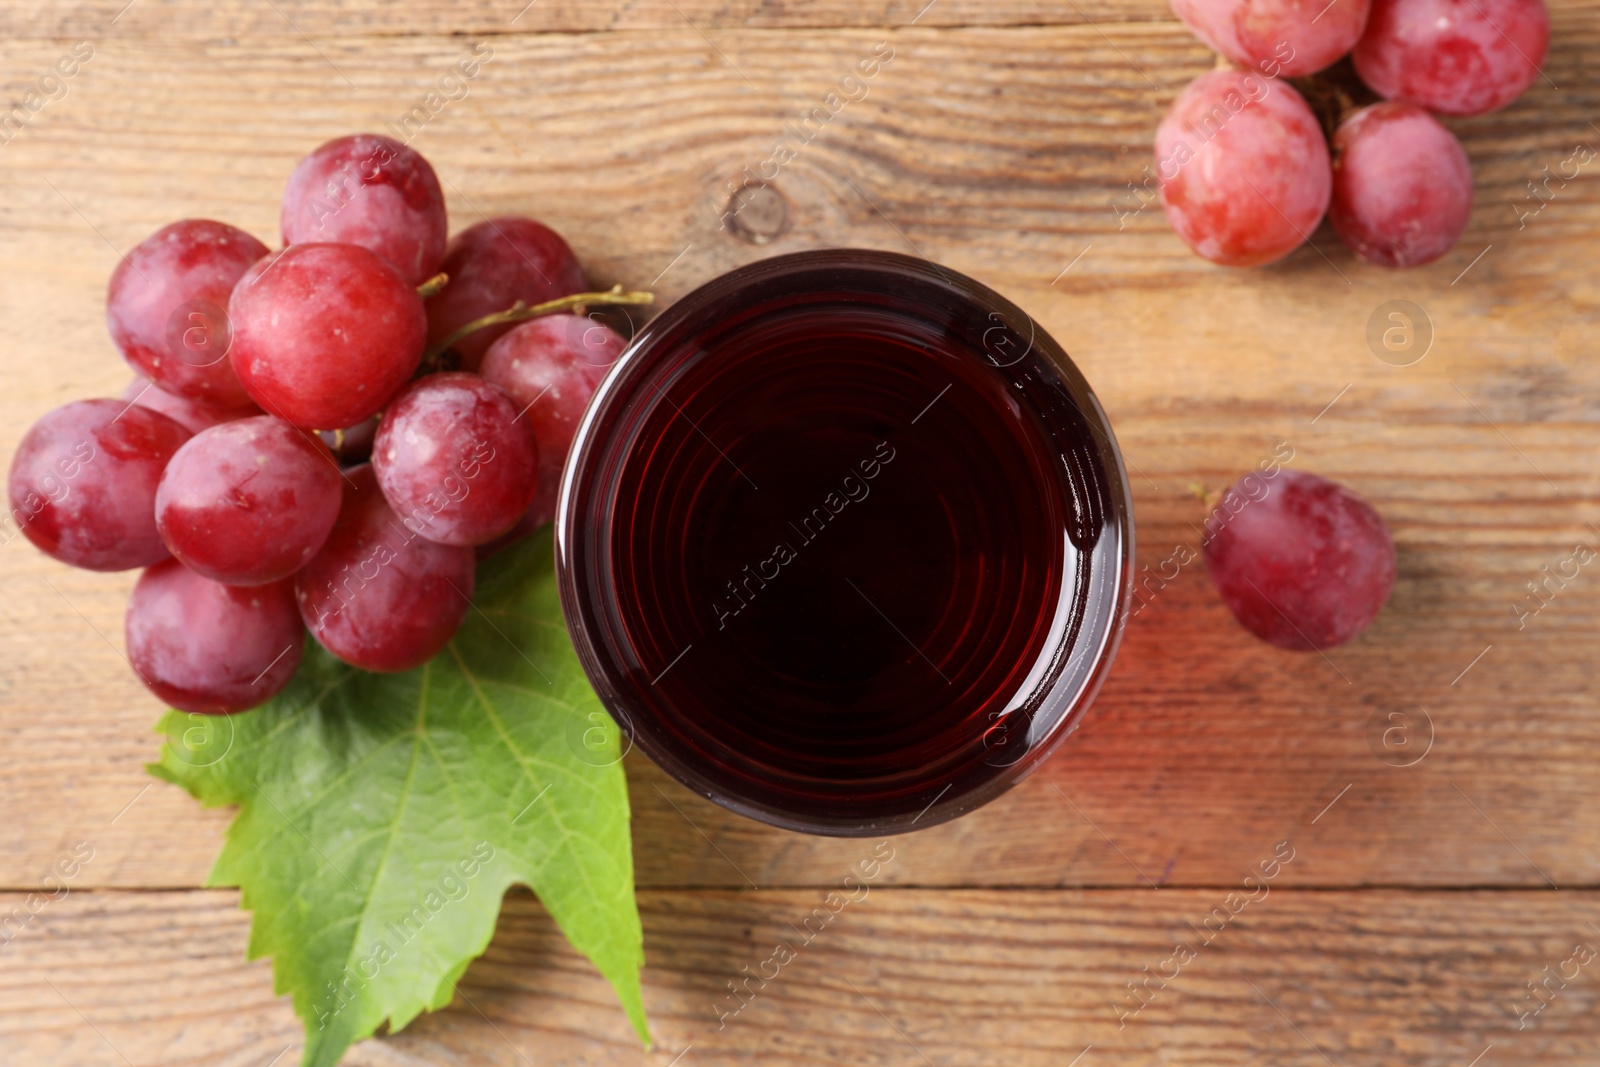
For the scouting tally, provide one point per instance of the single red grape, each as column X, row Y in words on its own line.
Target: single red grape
column 1303, row 563
column 455, row 460
column 1457, row 57
column 206, row 647
column 491, row 266
column 1402, row 186
column 248, row 502
column 83, row 483
column 195, row 415
column 372, row 191
column 1278, row 38
column 325, row 335
column 1243, row 168
column 166, row 307
column 551, row 367
column 378, row 596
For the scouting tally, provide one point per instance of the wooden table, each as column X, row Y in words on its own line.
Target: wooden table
column 1428, row 885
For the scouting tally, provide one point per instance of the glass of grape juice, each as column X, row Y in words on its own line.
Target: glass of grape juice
column 845, row 542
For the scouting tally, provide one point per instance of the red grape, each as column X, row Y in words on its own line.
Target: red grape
column 455, row 461
column 248, row 502
column 1278, row 38
column 1303, row 563
column 165, row 307
column 1402, row 186
column 325, row 335
column 1457, row 57
column 551, row 366
column 372, row 191
column 378, row 596
column 491, row 266
column 1243, row 168
column 195, row 415
column 83, row 483
column 207, row 647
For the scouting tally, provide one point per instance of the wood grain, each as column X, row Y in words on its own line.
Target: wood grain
column 335, row 18
column 989, row 151
column 1001, row 140
column 1427, row 979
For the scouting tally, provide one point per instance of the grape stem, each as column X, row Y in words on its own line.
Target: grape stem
column 520, row 312
column 1208, row 497
column 432, row 286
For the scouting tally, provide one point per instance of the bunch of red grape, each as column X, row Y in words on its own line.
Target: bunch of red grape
column 236, row 467
column 1243, row 164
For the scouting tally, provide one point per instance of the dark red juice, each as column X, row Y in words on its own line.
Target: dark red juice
column 841, row 547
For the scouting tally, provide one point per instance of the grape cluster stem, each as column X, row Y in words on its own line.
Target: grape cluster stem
column 433, row 285
column 520, row 312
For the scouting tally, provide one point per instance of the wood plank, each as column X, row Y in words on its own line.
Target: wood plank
column 1428, row 979
column 1001, row 153
column 193, row 19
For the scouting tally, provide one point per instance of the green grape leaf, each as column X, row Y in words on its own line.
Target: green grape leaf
column 383, row 816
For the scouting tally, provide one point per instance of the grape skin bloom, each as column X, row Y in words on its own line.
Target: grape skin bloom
column 1244, row 170
column 206, row 647
column 1456, row 57
column 551, row 367
column 1402, row 185
column 324, row 335
column 377, row 595
column 1302, row 562
column 248, row 502
column 83, row 483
